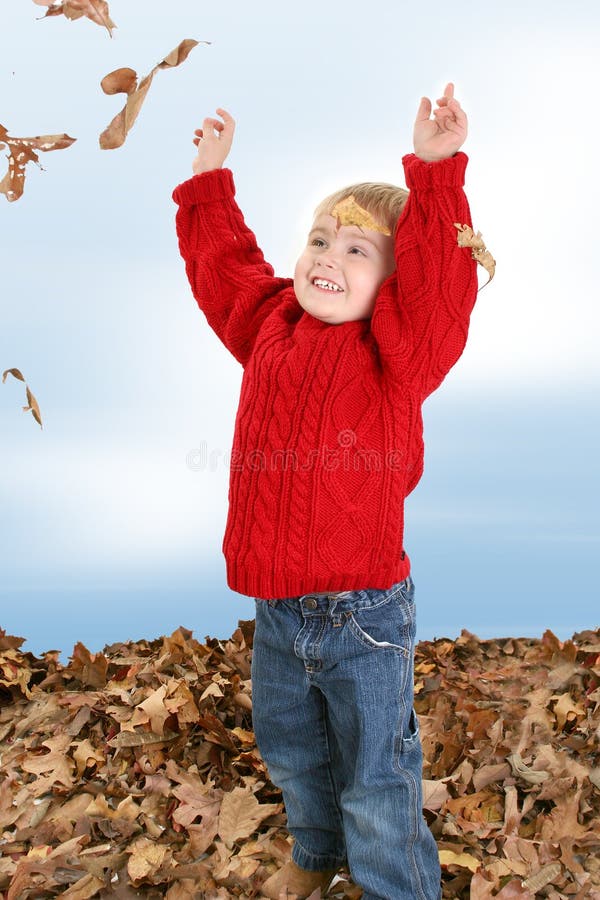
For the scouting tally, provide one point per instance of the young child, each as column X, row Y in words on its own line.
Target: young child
column 327, row 445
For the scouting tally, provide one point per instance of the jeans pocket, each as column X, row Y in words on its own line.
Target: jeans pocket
column 408, row 740
column 387, row 626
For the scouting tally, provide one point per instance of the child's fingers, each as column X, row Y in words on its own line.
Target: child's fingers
column 424, row 110
column 227, row 117
column 448, row 95
column 459, row 116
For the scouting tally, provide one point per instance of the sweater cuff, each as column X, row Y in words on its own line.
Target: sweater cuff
column 430, row 176
column 205, row 187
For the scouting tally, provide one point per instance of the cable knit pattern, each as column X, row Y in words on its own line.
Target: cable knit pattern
column 328, row 437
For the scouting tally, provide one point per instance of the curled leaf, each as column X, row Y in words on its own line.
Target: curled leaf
column 121, row 81
column 124, row 80
column 95, row 10
column 467, row 238
column 349, row 212
column 32, row 404
column 22, row 151
column 16, row 373
column 520, row 770
column 545, row 876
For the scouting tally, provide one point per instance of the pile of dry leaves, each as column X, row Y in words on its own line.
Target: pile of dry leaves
column 134, row 772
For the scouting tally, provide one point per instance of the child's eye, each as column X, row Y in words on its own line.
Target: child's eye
column 357, row 250
column 317, row 242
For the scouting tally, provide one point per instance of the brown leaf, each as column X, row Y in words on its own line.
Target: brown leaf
column 125, row 81
column 15, row 372
column 22, row 151
column 241, row 814
column 140, row 738
column 95, row 10
column 146, row 858
column 435, row 793
column 32, row 405
column 121, row 81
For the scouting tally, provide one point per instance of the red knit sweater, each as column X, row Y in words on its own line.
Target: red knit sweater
column 328, row 435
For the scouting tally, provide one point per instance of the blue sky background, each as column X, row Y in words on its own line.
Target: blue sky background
column 108, row 533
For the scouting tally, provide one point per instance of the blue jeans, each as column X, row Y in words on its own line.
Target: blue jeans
column 332, row 689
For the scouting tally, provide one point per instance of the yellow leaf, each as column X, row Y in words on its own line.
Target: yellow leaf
column 467, row 238
column 348, row 212
column 464, row 860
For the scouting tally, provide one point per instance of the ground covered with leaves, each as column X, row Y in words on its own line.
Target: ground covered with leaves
column 133, row 772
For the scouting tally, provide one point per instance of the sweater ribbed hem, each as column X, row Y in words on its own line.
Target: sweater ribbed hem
column 431, row 176
column 280, row 586
column 204, row 188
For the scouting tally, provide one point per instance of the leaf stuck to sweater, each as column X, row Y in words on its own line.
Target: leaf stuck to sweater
column 20, row 152
column 124, row 81
column 467, row 238
column 95, row 10
column 349, row 212
column 32, row 404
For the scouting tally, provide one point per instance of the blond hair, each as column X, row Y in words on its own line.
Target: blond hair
column 384, row 202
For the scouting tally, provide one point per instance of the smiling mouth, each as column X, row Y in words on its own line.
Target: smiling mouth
column 325, row 285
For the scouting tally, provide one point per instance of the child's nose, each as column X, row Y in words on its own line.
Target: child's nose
column 328, row 258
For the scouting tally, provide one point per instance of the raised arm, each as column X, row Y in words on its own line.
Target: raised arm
column 421, row 317
column 233, row 284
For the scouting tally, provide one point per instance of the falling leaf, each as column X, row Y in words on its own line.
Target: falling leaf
column 124, row 81
column 15, row 372
column 467, row 238
column 32, row 404
column 349, row 212
column 22, row 151
column 95, row 10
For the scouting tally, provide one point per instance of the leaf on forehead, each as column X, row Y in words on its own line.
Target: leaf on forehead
column 21, row 151
column 348, row 212
column 467, row 238
column 125, row 81
column 95, row 10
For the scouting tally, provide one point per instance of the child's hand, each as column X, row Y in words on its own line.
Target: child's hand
column 443, row 135
column 213, row 148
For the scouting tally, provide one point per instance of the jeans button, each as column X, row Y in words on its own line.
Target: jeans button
column 310, row 603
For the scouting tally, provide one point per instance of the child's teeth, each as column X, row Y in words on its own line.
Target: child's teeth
column 326, row 284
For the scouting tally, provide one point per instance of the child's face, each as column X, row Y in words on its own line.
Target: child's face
column 352, row 261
